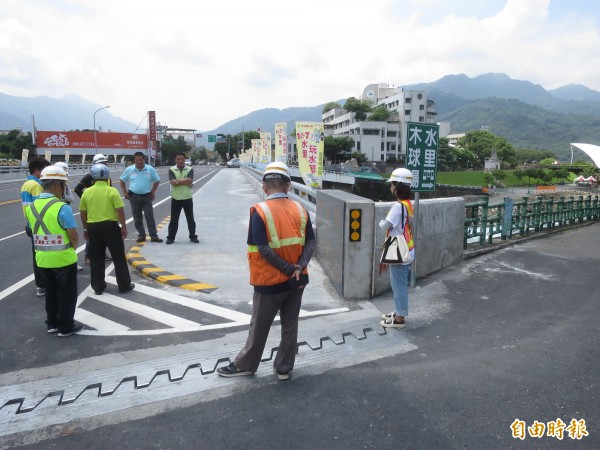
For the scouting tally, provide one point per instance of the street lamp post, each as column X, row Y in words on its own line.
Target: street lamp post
column 95, row 138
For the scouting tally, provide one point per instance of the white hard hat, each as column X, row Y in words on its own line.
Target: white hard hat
column 277, row 170
column 53, row 173
column 63, row 165
column 401, row 176
column 99, row 158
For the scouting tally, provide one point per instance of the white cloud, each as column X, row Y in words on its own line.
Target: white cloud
column 199, row 65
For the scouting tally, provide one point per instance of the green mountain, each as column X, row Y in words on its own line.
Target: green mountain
column 526, row 126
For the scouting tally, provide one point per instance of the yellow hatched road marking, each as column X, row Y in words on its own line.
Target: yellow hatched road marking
column 197, row 286
column 165, row 278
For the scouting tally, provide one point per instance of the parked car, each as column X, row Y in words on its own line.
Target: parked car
column 234, row 162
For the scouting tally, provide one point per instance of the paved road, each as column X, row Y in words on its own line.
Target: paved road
column 510, row 335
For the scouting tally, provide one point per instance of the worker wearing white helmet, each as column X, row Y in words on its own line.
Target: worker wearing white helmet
column 68, row 197
column 85, row 183
column 281, row 242
column 55, row 240
column 398, row 222
column 100, row 159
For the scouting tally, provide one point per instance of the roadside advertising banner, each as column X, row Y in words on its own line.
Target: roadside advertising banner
column 83, row 158
column 67, row 155
column 311, row 149
column 265, row 148
column 48, row 154
column 255, row 151
column 281, row 142
column 85, row 139
column 24, row 156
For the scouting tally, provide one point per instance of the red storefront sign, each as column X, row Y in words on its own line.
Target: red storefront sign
column 85, row 139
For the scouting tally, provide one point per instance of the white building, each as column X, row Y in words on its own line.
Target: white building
column 378, row 140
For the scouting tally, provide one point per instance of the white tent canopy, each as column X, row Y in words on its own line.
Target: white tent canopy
column 593, row 151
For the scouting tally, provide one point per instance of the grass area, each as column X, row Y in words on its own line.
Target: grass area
column 471, row 178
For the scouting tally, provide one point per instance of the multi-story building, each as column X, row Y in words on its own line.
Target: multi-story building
column 382, row 140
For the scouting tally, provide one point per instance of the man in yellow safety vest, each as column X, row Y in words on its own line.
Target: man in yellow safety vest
column 55, row 239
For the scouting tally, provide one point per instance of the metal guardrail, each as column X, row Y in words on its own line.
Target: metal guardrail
column 483, row 223
column 299, row 192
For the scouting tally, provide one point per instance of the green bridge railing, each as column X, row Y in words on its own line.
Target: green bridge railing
column 522, row 217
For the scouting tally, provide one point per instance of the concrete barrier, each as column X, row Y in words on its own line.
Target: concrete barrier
column 349, row 239
column 353, row 267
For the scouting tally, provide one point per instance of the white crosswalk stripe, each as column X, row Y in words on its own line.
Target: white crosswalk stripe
column 97, row 325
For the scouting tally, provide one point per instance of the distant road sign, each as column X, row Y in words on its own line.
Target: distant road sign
column 421, row 155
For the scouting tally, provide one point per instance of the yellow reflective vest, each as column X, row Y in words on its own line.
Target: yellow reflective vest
column 51, row 242
column 285, row 221
column 407, row 231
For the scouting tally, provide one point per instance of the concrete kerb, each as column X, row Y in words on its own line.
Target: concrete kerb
column 149, row 270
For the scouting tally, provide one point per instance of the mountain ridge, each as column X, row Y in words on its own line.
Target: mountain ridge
column 547, row 119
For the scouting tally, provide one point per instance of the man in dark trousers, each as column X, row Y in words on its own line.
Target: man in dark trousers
column 55, row 240
column 30, row 191
column 281, row 242
column 102, row 211
column 181, row 178
column 143, row 182
column 85, row 183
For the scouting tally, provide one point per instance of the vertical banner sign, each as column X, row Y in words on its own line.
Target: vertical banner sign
column 123, row 159
column 309, row 141
column 255, row 151
column 421, row 155
column 152, row 126
column 115, row 155
column 67, row 155
column 83, row 158
column 24, row 156
column 265, row 148
column 281, row 142
column 48, row 154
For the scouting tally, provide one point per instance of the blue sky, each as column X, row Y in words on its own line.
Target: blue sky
column 199, row 64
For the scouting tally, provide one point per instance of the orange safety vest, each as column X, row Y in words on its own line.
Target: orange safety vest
column 285, row 221
column 407, row 232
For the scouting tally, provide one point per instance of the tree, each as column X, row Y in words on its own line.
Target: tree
column 200, row 155
column 526, row 155
column 537, row 174
column 337, row 147
column 13, row 143
column 360, row 157
column 380, row 114
column 169, row 147
column 360, row 108
column 519, row 174
column 547, row 162
column 330, row 105
column 561, row 175
column 481, row 143
column 447, row 158
column 499, row 176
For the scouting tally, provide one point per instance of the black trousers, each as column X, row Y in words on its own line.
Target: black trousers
column 102, row 235
column 37, row 274
column 188, row 209
column 61, row 295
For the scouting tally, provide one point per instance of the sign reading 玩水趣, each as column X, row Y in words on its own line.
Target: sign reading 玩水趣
column 281, row 142
column 311, row 149
column 265, row 148
column 422, row 143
